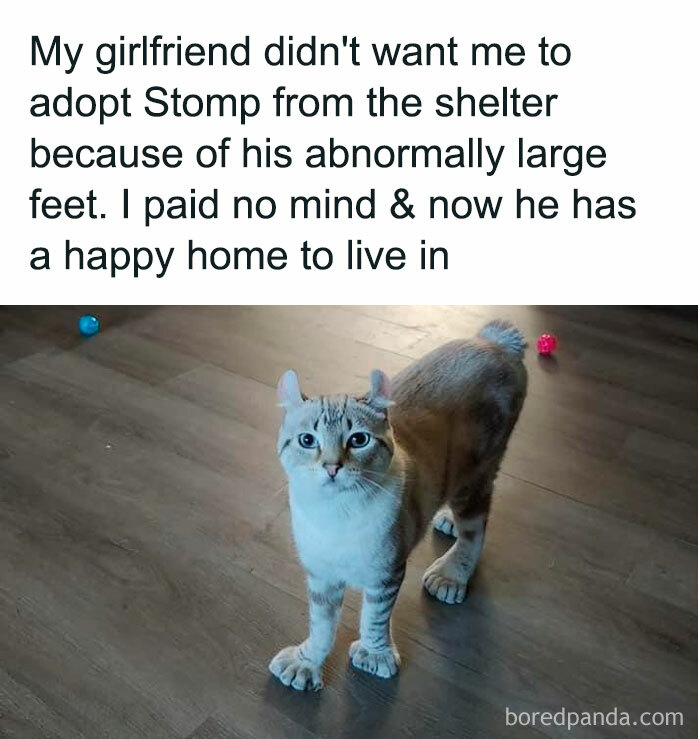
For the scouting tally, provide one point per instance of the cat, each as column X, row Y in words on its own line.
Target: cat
column 366, row 476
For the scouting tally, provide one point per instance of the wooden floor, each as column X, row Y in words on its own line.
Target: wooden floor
column 147, row 573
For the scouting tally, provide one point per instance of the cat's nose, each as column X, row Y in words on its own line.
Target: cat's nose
column 332, row 469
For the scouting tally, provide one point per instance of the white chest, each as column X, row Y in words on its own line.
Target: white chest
column 354, row 546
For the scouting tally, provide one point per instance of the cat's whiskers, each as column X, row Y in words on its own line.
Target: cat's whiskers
column 375, row 485
column 381, row 475
column 402, row 479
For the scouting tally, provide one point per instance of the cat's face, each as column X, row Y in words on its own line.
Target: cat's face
column 335, row 442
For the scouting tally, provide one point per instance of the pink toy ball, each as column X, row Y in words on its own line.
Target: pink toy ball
column 546, row 344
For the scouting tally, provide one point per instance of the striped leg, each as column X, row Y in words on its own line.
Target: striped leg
column 300, row 666
column 374, row 651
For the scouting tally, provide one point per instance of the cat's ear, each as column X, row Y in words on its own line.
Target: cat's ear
column 379, row 395
column 288, row 391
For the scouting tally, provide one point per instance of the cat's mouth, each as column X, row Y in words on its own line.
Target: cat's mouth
column 334, row 482
column 335, row 485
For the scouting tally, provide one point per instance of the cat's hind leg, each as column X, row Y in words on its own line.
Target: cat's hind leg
column 444, row 522
column 446, row 579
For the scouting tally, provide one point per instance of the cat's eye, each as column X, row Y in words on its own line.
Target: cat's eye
column 358, row 439
column 308, row 441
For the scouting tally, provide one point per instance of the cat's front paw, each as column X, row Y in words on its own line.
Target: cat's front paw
column 384, row 663
column 296, row 671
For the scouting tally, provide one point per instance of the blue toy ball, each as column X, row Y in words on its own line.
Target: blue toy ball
column 88, row 325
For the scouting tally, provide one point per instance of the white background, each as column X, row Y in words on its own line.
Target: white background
column 631, row 86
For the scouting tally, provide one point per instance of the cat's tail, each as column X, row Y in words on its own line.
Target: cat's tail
column 506, row 335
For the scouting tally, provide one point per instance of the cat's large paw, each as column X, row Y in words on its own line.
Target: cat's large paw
column 384, row 663
column 444, row 522
column 295, row 671
column 446, row 581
